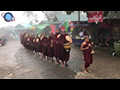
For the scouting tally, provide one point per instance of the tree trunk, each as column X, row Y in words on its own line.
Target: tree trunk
column 95, row 33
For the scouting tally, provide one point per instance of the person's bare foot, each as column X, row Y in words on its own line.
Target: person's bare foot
column 40, row 57
column 58, row 62
column 85, row 72
column 66, row 65
column 33, row 52
column 35, row 55
column 45, row 59
column 38, row 54
column 89, row 71
column 50, row 60
column 63, row 65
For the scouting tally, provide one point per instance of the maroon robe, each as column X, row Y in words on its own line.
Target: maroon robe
column 21, row 38
column 63, row 54
column 40, row 45
column 44, row 45
column 50, row 52
column 36, row 45
column 88, row 57
column 27, row 43
column 55, row 45
column 23, row 41
column 32, row 43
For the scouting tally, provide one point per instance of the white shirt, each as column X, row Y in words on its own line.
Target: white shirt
column 81, row 34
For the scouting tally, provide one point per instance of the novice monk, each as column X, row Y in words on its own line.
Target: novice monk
column 44, row 45
column 88, row 57
column 40, row 46
column 37, row 44
column 55, row 46
column 50, row 52
column 64, row 53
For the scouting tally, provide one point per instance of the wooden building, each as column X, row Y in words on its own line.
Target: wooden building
column 21, row 28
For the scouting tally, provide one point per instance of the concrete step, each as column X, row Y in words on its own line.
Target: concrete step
column 81, row 75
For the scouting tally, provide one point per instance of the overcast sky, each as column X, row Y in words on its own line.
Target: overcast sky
column 19, row 18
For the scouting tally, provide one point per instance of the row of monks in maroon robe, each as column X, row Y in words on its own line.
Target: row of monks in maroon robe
column 49, row 47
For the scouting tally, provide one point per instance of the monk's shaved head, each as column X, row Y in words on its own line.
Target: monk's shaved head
column 86, row 38
column 57, row 31
column 63, row 32
column 44, row 34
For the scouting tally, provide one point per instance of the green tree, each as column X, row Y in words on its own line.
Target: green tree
column 48, row 14
column 32, row 17
column 51, row 14
column 105, row 12
column 95, row 26
column 70, row 12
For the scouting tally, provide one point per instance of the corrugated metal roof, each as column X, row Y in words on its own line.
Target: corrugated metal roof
column 113, row 15
column 23, row 26
column 26, row 25
column 42, row 26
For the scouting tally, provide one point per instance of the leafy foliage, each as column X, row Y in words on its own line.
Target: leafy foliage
column 51, row 14
column 69, row 12
column 32, row 17
column 28, row 13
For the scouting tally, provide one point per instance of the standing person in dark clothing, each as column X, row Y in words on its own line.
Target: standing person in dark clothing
column 31, row 43
column 85, row 33
column 40, row 45
column 23, row 39
column 86, row 47
column 36, row 44
column 28, row 42
column 64, row 48
column 104, row 32
column 50, row 52
column 55, row 46
column 44, row 45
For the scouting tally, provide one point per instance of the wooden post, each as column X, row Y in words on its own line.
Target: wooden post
column 78, row 15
